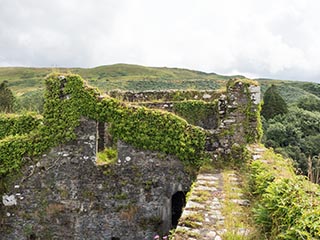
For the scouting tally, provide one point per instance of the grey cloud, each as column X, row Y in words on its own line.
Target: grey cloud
column 278, row 39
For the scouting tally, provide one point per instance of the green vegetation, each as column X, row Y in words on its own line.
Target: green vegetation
column 236, row 216
column 154, row 130
column 67, row 99
column 18, row 124
column 28, row 84
column 309, row 103
column 311, row 88
column 192, row 220
column 196, row 112
column 6, row 98
column 253, row 133
column 296, row 135
column 30, row 101
column 107, row 156
column 287, row 206
column 273, row 104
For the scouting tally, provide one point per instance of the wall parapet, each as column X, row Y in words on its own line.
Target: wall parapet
column 239, row 114
column 168, row 95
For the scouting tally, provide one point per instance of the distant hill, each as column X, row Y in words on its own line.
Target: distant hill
column 292, row 91
column 118, row 76
column 26, row 82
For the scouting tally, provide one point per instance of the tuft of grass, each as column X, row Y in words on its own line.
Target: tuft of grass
column 108, row 156
column 201, row 196
column 181, row 234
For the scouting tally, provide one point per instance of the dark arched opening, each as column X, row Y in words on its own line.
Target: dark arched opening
column 178, row 201
column 32, row 236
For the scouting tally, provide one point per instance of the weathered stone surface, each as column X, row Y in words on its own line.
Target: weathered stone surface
column 241, row 202
column 194, row 206
column 232, row 108
column 206, row 96
column 209, row 121
column 9, row 200
column 167, row 95
column 68, row 197
column 255, row 94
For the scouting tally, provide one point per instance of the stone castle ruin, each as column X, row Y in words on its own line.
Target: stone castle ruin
column 61, row 191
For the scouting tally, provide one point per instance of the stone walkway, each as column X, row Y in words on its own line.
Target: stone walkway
column 214, row 208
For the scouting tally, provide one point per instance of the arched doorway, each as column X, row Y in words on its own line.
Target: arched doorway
column 178, row 201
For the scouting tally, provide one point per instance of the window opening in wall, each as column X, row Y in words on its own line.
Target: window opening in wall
column 101, row 136
column 178, row 201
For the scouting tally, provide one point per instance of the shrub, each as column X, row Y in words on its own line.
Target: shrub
column 287, row 205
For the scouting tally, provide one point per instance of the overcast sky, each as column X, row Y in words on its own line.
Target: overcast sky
column 266, row 38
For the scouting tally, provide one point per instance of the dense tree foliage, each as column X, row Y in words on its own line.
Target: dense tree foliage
column 273, row 103
column 296, row 135
column 312, row 88
column 6, row 98
column 309, row 103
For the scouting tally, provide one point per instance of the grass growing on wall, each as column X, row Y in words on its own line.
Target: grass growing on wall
column 108, row 156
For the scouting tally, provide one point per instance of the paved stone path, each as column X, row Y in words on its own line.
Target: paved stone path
column 206, row 216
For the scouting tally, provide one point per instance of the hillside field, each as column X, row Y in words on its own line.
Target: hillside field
column 28, row 83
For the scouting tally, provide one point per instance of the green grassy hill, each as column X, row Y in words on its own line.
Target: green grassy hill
column 118, row 76
column 292, row 91
column 28, row 83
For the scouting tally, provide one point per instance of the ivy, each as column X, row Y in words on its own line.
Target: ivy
column 67, row 99
column 154, row 130
column 196, row 111
column 18, row 124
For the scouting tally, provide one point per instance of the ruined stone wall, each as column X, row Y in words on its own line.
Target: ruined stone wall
column 169, row 95
column 65, row 195
column 208, row 120
column 170, row 99
column 239, row 115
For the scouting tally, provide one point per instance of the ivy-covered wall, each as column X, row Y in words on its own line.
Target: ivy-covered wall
column 166, row 96
column 143, row 128
column 11, row 124
column 68, row 98
column 70, row 186
column 196, row 112
column 66, row 195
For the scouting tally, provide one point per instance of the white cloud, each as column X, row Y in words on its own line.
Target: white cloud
column 275, row 38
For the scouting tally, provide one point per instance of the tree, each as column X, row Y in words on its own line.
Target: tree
column 31, row 101
column 6, row 98
column 273, row 103
column 309, row 103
